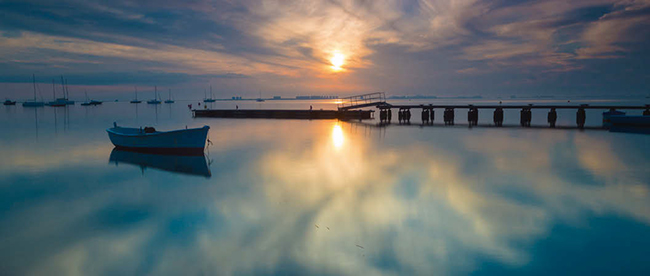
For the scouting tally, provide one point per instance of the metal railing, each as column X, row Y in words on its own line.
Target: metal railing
column 362, row 100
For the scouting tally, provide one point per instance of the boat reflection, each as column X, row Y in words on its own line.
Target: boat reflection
column 184, row 164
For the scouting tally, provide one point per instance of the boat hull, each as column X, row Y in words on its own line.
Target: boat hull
column 630, row 124
column 178, row 141
column 33, row 104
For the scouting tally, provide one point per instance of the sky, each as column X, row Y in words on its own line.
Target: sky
column 327, row 47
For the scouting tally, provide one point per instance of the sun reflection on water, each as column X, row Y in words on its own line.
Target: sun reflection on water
column 337, row 136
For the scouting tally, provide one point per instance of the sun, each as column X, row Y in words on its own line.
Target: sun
column 337, row 61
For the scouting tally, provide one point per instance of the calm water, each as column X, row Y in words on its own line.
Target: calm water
column 319, row 197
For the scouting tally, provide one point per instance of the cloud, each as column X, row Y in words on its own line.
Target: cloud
column 280, row 43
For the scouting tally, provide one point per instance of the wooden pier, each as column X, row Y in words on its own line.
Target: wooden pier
column 285, row 114
column 350, row 109
column 378, row 100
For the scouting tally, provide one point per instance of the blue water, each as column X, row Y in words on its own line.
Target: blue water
column 292, row 197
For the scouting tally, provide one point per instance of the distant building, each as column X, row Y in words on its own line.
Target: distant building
column 236, row 98
column 277, row 98
column 316, row 97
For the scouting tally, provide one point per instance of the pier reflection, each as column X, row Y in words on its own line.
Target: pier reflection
column 184, row 164
column 327, row 197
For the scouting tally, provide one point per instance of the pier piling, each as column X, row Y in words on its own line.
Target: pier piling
column 498, row 116
column 581, row 117
column 552, row 117
column 425, row 116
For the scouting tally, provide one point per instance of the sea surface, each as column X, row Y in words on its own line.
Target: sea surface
column 322, row 197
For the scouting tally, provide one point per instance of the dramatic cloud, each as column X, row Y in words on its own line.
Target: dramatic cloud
column 286, row 47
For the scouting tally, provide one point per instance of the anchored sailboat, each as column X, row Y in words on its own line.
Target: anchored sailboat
column 155, row 100
column 136, row 101
column 209, row 100
column 60, row 101
column 33, row 103
column 169, row 100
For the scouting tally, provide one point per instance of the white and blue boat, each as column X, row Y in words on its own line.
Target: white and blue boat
column 149, row 139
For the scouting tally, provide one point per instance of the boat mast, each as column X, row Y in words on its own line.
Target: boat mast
column 53, row 91
column 63, row 86
column 210, row 92
column 67, row 92
column 34, row 81
column 155, row 93
column 170, row 94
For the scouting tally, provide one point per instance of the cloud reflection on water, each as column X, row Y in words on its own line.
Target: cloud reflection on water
column 333, row 198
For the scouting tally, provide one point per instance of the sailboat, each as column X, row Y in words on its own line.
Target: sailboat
column 67, row 94
column 87, row 102
column 59, row 101
column 90, row 102
column 260, row 98
column 9, row 102
column 155, row 100
column 209, row 100
column 33, row 103
column 169, row 100
column 136, row 101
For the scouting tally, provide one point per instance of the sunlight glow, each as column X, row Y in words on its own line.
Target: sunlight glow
column 337, row 61
column 337, row 136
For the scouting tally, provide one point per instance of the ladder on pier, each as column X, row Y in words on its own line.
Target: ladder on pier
column 364, row 100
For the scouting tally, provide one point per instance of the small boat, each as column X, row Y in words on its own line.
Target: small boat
column 65, row 100
column 169, row 100
column 259, row 100
column 209, row 100
column 58, row 102
column 194, row 164
column 90, row 102
column 155, row 100
column 632, row 124
column 34, row 103
column 149, row 139
column 9, row 102
column 136, row 101
column 607, row 115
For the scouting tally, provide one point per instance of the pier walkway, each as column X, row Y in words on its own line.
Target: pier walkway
column 378, row 100
column 285, row 114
